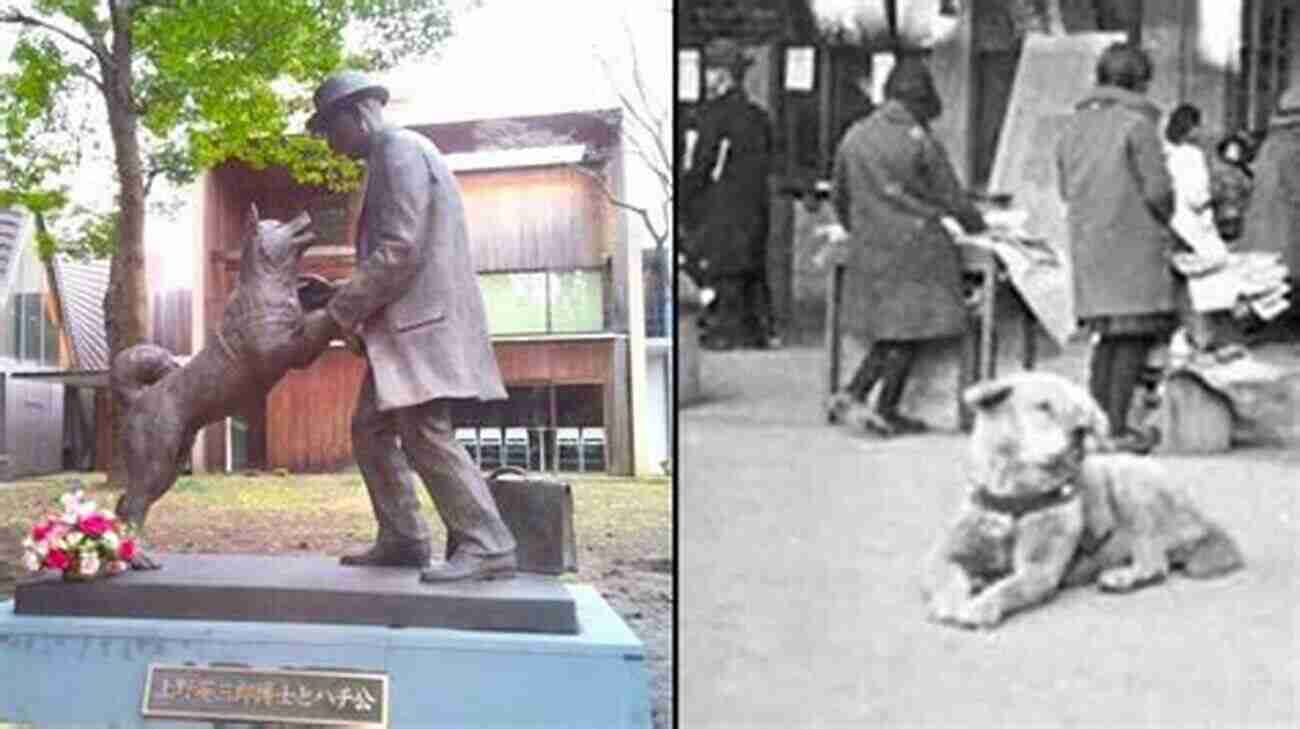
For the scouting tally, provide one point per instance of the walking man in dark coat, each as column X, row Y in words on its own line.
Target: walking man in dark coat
column 725, row 192
column 1113, row 177
column 893, row 183
column 415, row 303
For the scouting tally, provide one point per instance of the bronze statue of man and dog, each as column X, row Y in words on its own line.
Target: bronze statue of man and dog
column 414, row 304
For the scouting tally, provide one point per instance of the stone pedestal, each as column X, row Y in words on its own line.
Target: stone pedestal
column 310, row 589
column 86, row 671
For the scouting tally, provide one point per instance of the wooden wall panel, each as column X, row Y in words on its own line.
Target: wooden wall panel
column 309, row 414
column 553, row 217
column 558, row 362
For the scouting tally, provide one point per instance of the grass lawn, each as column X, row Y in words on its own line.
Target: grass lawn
column 624, row 530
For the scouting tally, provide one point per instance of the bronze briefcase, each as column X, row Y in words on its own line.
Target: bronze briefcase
column 539, row 513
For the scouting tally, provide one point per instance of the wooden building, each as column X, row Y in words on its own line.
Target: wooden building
column 1231, row 58
column 544, row 236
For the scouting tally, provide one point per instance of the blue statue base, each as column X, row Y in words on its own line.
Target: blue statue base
column 87, row 672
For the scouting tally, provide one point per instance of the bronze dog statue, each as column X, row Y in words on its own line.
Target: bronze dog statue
column 261, row 338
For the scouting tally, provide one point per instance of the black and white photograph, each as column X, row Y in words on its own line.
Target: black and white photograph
column 989, row 384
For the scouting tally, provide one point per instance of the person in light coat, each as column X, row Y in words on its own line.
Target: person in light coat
column 415, row 303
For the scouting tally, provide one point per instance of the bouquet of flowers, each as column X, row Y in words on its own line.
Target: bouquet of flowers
column 82, row 541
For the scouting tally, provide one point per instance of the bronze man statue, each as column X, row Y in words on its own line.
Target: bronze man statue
column 414, row 302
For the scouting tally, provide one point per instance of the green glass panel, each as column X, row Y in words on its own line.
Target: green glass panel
column 516, row 302
column 577, row 301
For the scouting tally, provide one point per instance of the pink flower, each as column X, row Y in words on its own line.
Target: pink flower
column 41, row 529
column 126, row 550
column 57, row 559
column 94, row 525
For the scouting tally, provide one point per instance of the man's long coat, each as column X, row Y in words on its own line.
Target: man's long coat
column 414, row 295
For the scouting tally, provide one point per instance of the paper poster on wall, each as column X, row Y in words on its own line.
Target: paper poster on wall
column 688, row 75
column 800, row 68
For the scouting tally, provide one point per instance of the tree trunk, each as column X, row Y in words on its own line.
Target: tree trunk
column 126, row 303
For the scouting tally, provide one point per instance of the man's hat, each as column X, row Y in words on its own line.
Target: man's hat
column 338, row 89
column 726, row 53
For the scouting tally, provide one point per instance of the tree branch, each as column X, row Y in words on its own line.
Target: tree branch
column 19, row 18
column 603, row 184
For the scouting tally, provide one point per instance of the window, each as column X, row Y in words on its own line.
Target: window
column 516, row 302
column 544, row 302
column 1265, row 62
column 577, row 301
column 29, row 333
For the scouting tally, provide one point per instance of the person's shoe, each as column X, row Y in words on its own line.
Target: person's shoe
column 870, row 421
column 1139, row 442
column 905, row 425
column 716, row 343
column 416, row 554
column 837, row 407
column 463, row 566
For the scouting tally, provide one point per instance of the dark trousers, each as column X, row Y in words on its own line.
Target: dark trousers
column 387, row 444
column 738, row 311
column 888, row 363
column 1118, row 362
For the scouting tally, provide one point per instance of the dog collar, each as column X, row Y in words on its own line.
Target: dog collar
column 1018, row 506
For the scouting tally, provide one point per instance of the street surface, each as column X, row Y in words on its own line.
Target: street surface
column 799, row 546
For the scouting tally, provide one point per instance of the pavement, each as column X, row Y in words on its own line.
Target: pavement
column 799, row 547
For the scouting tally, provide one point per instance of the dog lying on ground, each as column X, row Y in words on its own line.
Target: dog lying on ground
column 261, row 337
column 1049, row 507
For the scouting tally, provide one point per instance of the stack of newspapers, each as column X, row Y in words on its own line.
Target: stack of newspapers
column 1255, row 279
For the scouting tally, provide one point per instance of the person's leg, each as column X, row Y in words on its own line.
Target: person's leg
column 725, row 326
column 1126, row 366
column 1100, row 368
column 403, row 537
column 867, row 374
column 855, row 393
column 484, row 546
column 898, row 364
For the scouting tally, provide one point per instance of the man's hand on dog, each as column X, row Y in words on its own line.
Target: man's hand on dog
column 317, row 330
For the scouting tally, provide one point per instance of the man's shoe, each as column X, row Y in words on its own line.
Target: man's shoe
column 837, row 406
column 1138, row 442
column 464, row 566
column 870, row 421
column 716, row 343
column 416, row 554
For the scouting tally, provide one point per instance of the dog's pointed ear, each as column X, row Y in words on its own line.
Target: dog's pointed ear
column 986, row 395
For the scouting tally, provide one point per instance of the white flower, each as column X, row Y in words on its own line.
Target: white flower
column 111, row 540
column 42, row 548
column 28, row 543
column 89, row 562
column 69, row 518
column 32, row 561
column 74, row 539
column 71, row 500
column 85, row 508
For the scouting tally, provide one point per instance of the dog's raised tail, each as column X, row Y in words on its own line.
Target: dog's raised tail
column 138, row 367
